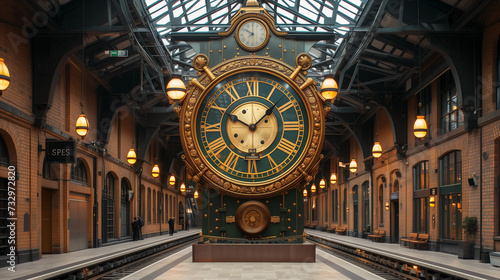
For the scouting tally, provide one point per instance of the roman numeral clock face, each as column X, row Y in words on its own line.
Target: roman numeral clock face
column 252, row 128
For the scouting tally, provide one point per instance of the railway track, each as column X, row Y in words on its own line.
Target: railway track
column 367, row 264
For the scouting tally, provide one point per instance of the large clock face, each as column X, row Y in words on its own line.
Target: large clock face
column 252, row 128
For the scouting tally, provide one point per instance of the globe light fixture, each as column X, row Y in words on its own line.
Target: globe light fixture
column 322, row 183
column 156, row 171
column 82, row 126
column 196, row 194
column 313, row 188
column 131, row 156
column 4, row 76
column 353, row 166
column 333, row 178
column 183, row 187
column 304, row 193
column 377, row 150
column 176, row 89
column 420, row 127
column 329, row 88
column 171, row 180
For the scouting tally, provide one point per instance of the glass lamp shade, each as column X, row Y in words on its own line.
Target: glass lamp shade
column 377, row 150
column 333, row 178
column 329, row 88
column 171, row 180
column 313, row 188
column 156, row 171
column 432, row 201
column 82, row 125
column 353, row 166
column 176, row 89
column 4, row 75
column 196, row 194
column 131, row 156
column 420, row 127
column 304, row 193
column 183, row 187
column 322, row 183
column 387, row 206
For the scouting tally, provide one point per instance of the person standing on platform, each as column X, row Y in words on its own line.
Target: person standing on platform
column 140, row 221
column 135, row 229
column 171, row 224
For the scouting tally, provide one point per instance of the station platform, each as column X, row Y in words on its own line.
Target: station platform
column 464, row 268
column 180, row 266
column 49, row 265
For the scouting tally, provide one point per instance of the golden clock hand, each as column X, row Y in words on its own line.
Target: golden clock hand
column 234, row 118
column 269, row 111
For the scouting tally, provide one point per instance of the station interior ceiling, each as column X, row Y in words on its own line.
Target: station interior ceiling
column 375, row 48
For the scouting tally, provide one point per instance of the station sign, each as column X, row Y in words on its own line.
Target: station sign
column 60, row 151
column 117, row 53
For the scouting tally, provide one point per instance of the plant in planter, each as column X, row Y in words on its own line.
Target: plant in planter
column 469, row 225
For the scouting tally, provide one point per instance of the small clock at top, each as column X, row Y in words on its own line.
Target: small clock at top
column 252, row 35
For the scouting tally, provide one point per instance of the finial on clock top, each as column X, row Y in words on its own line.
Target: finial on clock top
column 252, row 3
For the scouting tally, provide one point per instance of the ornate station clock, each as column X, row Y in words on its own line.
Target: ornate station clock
column 252, row 129
column 255, row 129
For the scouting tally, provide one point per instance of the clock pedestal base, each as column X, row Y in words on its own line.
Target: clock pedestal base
column 254, row 252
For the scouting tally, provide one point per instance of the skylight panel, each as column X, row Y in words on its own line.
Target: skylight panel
column 178, row 11
column 347, row 12
column 165, row 20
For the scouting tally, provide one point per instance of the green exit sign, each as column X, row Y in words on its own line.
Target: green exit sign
column 117, row 53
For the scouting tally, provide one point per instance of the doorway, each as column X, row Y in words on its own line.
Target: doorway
column 395, row 221
column 47, row 221
column 125, row 209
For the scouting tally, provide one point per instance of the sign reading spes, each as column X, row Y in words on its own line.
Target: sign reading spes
column 60, row 151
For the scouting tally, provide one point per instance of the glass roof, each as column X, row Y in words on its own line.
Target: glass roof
column 196, row 16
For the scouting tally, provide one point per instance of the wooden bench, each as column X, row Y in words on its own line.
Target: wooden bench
column 377, row 235
column 341, row 231
column 331, row 229
column 421, row 241
column 413, row 237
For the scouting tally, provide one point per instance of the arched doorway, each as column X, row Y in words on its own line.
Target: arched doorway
column 125, row 208
column 108, row 208
column 181, row 215
column 395, row 212
column 355, row 210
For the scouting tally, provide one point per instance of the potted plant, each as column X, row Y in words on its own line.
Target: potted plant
column 466, row 250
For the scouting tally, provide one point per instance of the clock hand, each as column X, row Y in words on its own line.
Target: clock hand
column 269, row 111
column 234, row 118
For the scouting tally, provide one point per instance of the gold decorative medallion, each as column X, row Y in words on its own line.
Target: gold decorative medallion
column 252, row 218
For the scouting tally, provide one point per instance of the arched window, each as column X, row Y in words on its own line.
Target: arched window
column 154, row 206
column 4, row 153
column 344, row 216
column 381, row 203
column 366, row 206
column 79, row 172
column 451, row 116
column 421, row 209
column 498, row 75
column 149, row 205
column 450, row 191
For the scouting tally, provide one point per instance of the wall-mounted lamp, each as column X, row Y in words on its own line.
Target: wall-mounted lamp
column 377, row 150
column 155, row 171
column 432, row 201
column 333, row 178
column 329, row 88
column 131, row 156
column 196, row 194
column 304, row 193
column 387, row 206
column 347, row 209
column 420, row 127
column 82, row 125
column 353, row 166
column 183, row 187
column 176, row 89
column 322, row 183
column 171, row 180
column 4, row 76
column 313, row 188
